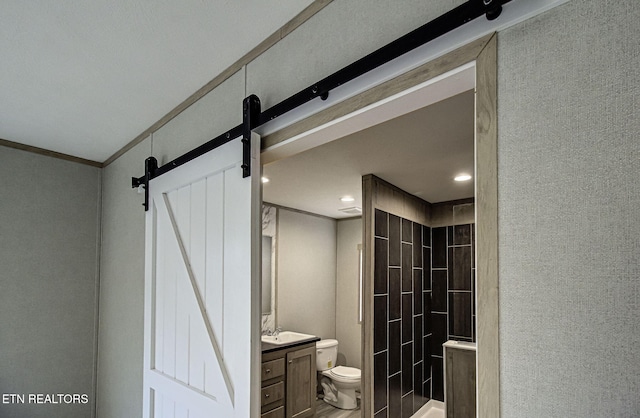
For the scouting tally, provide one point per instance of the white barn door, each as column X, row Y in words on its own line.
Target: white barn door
column 202, row 288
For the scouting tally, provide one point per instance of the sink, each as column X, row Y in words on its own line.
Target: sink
column 286, row 337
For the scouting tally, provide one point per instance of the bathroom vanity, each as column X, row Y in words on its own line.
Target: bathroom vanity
column 289, row 379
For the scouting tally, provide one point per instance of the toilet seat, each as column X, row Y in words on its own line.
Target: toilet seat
column 345, row 373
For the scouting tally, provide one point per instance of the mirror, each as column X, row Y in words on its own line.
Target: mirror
column 268, row 265
column 266, row 274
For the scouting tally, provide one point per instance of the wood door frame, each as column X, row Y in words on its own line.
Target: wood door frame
column 483, row 53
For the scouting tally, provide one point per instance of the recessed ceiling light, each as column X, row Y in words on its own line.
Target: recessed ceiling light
column 462, row 177
column 265, row 180
column 347, row 199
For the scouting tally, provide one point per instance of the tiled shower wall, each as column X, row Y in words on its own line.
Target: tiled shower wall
column 453, row 295
column 402, row 304
column 411, row 323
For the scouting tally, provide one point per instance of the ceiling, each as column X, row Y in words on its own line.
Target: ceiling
column 84, row 78
column 420, row 152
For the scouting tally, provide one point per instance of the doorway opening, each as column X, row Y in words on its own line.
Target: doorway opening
column 310, row 171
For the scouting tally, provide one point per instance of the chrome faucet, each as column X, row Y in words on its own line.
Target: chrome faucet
column 270, row 333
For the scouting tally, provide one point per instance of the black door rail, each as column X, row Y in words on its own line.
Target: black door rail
column 253, row 117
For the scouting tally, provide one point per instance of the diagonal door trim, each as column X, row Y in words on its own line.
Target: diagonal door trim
column 179, row 386
column 195, row 398
column 201, row 305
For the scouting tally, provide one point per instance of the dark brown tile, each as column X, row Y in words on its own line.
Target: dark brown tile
column 473, row 329
column 394, row 293
column 439, row 247
column 379, row 323
column 462, row 234
column 469, row 340
column 439, row 335
column 460, row 314
column 417, row 379
column 426, row 389
column 380, row 381
column 426, row 236
column 473, row 245
column 407, row 406
column 407, row 317
column 473, row 291
column 417, row 338
column 439, row 291
column 407, row 268
column 381, row 414
column 426, row 357
column 394, row 240
column 381, row 224
column 426, row 268
column 450, row 260
column 419, row 398
column 437, row 380
column 426, row 300
column 395, row 344
column 407, row 368
column 417, row 291
column 407, row 230
column 380, row 266
column 395, row 396
column 417, row 245
column 460, row 269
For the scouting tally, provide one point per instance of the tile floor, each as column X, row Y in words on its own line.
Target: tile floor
column 324, row 410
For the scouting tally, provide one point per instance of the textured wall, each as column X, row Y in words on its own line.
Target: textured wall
column 348, row 330
column 569, row 158
column 338, row 35
column 213, row 114
column 306, row 274
column 122, row 288
column 48, row 281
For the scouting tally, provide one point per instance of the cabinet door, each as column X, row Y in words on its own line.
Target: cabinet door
column 460, row 383
column 301, row 383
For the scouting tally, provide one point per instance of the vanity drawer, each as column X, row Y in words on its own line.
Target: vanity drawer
column 272, row 393
column 272, row 369
column 276, row 413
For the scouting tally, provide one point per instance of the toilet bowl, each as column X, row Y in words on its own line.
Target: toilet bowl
column 339, row 383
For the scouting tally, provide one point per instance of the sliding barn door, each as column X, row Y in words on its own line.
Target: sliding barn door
column 202, row 289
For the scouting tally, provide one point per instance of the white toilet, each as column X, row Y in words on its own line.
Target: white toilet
column 338, row 383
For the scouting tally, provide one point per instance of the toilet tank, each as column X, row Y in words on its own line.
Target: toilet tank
column 326, row 354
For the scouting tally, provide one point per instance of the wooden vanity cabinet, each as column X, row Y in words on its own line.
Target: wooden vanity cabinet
column 460, row 379
column 272, row 393
column 289, row 382
column 301, row 383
